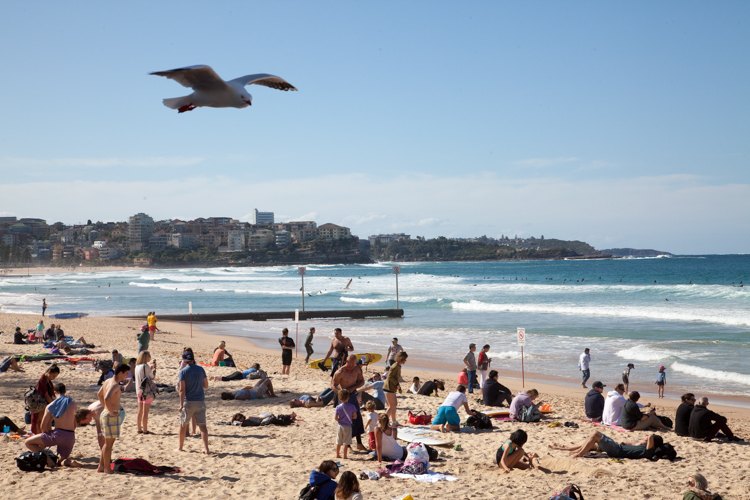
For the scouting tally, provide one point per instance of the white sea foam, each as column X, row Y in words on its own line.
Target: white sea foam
column 362, row 300
column 707, row 373
column 643, row 352
column 723, row 317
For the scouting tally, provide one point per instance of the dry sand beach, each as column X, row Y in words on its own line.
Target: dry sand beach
column 274, row 462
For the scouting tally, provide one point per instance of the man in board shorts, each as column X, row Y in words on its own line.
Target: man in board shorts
column 112, row 415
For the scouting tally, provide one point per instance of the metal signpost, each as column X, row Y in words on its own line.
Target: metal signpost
column 521, row 337
column 296, row 335
column 396, row 271
column 301, row 271
column 190, row 312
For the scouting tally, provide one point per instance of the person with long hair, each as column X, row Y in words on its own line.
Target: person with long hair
column 47, row 390
column 144, row 371
column 393, row 384
column 348, row 488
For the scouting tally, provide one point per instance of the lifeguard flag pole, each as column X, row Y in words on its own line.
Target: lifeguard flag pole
column 190, row 312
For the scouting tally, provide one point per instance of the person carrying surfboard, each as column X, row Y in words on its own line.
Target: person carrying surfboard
column 341, row 346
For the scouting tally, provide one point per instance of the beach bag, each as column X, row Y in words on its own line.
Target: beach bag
column 530, row 414
column 570, row 492
column 36, row 461
column 479, row 421
column 666, row 450
column 666, row 421
column 309, row 492
column 148, row 388
column 34, row 400
column 420, row 418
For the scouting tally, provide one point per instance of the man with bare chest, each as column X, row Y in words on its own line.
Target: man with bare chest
column 67, row 417
column 112, row 415
column 340, row 347
column 350, row 377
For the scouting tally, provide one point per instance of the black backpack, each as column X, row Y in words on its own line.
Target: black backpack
column 479, row 421
column 36, row 461
column 666, row 421
column 309, row 492
column 666, row 450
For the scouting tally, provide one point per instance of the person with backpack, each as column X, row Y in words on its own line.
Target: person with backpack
column 321, row 484
column 45, row 388
column 511, row 454
column 145, row 388
column 521, row 402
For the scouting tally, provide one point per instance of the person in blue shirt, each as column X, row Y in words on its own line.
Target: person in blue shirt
column 323, row 477
column 192, row 384
column 661, row 380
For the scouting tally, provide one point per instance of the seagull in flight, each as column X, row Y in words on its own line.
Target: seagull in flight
column 213, row 92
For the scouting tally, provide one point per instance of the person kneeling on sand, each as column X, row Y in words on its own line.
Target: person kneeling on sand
column 67, row 417
column 430, row 387
column 261, row 390
column 649, row 448
column 447, row 418
column 511, row 454
column 633, row 418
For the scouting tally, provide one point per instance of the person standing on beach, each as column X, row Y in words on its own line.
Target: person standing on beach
column 287, row 344
column 483, row 364
column 143, row 339
column 471, row 367
column 626, row 376
column 112, row 415
column 192, row 385
column 393, row 384
column 341, row 346
column 44, row 306
column 661, row 380
column 151, row 320
column 350, row 377
column 309, row 344
column 583, row 365
column 393, row 350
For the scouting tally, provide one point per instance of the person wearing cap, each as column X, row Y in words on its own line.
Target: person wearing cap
column 594, row 402
column 661, row 380
column 393, row 350
column 626, row 376
column 613, row 405
column 192, row 384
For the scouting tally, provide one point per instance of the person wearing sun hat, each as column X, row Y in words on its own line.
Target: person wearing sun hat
column 626, row 376
column 594, row 402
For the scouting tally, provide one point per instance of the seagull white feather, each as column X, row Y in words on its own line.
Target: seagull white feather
column 213, row 92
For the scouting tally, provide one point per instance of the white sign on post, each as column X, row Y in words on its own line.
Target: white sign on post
column 296, row 315
column 190, row 307
column 521, row 336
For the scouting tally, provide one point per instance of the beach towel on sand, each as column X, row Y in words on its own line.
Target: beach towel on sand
column 427, row 477
column 141, row 467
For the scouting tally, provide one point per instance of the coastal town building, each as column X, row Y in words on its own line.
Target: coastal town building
column 331, row 231
column 261, row 218
column 140, row 227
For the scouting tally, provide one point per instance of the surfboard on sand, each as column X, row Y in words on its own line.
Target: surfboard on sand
column 424, row 435
column 498, row 413
column 366, row 358
column 71, row 315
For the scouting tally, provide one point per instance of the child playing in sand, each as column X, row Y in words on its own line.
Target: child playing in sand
column 371, row 424
column 511, row 454
column 661, row 380
column 345, row 414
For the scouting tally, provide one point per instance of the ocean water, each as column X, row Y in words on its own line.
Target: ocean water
column 691, row 314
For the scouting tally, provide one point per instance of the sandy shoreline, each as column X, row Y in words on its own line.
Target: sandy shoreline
column 274, row 462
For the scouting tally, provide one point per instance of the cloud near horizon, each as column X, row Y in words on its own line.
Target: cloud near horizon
column 679, row 213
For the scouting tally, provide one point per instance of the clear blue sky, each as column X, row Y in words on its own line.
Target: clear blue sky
column 621, row 124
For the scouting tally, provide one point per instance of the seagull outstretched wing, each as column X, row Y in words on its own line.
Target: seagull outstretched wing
column 199, row 77
column 275, row 82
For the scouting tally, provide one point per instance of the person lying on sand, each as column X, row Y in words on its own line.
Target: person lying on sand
column 318, row 401
column 262, row 389
column 252, row 373
column 241, row 420
column 603, row 443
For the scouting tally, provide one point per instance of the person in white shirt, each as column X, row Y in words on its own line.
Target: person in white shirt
column 583, row 365
column 447, row 418
column 613, row 405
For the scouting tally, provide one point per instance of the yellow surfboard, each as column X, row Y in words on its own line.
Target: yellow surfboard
column 366, row 358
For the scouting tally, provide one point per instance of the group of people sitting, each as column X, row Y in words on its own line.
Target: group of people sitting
column 694, row 419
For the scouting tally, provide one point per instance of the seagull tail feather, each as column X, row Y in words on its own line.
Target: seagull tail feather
column 176, row 102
